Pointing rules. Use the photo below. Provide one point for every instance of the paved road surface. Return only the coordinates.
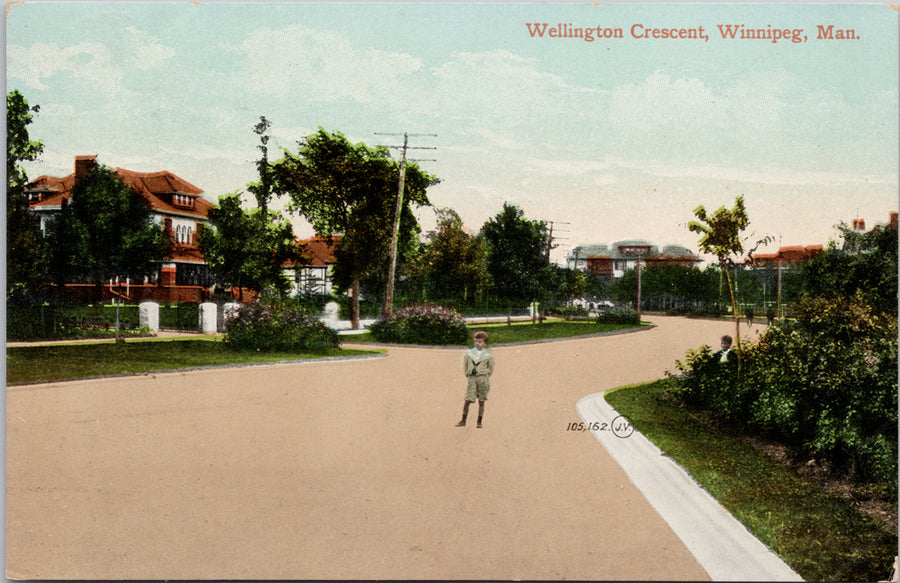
(340, 470)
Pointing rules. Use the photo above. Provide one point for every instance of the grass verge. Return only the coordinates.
(527, 332)
(35, 364)
(820, 536)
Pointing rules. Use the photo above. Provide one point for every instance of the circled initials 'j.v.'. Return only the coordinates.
(622, 427)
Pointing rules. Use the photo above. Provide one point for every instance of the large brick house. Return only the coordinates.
(178, 207)
(613, 260)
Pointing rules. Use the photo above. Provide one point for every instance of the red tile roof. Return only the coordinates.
(320, 251)
(789, 253)
(152, 186)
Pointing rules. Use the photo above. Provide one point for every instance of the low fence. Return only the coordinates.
(46, 320)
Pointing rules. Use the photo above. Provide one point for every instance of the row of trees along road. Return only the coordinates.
(340, 188)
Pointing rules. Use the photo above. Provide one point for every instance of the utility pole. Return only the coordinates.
(550, 245)
(392, 265)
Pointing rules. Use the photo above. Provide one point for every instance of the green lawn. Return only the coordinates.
(819, 535)
(527, 332)
(32, 364)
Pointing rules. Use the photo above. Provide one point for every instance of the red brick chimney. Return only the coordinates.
(893, 221)
(83, 166)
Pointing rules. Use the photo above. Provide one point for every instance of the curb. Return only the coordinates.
(723, 546)
(207, 367)
(499, 344)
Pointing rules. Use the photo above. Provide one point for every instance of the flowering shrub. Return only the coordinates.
(277, 326)
(619, 315)
(826, 385)
(425, 324)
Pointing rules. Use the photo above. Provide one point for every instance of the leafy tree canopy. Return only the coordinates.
(516, 260)
(247, 249)
(24, 243)
(19, 146)
(866, 263)
(453, 263)
(350, 190)
(720, 233)
(106, 230)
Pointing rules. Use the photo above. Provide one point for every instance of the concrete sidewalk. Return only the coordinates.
(723, 546)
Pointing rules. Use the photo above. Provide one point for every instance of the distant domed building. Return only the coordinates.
(613, 260)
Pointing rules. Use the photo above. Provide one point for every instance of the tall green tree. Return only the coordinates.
(350, 190)
(24, 243)
(247, 249)
(453, 264)
(516, 259)
(105, 231)
(865, 263)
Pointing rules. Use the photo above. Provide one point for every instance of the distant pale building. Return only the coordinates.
(613, 260)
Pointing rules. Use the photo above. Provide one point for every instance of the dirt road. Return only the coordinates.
(340, 470)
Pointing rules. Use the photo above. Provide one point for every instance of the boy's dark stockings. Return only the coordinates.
(465, 414)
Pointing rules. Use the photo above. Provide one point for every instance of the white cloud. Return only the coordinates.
(87, 60)
(662, 100)
(499, 87)
(323, 65)
(149, 54)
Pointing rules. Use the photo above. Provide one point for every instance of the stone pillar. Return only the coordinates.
(208, 318)
(149, 316)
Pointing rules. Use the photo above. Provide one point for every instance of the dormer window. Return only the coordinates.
(183, 200)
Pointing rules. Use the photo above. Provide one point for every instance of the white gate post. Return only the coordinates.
(149, 315)
(208, 318)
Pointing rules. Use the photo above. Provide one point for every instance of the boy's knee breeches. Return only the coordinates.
(478, 388)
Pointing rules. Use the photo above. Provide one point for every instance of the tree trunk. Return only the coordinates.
(737, 321)
(354, 304)
(734, 311)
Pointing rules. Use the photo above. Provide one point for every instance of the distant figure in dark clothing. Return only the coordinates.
(724, 355)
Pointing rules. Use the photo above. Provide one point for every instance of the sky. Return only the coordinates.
(610, 139)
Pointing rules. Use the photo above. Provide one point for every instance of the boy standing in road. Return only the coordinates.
(478, 364)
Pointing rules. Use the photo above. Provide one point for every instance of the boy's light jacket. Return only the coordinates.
(475, 366)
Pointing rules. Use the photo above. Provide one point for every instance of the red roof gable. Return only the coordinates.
(155, 187)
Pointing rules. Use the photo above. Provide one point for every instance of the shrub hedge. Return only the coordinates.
(619, 315)
(825, 384)
(423, 324)
(278, 326)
